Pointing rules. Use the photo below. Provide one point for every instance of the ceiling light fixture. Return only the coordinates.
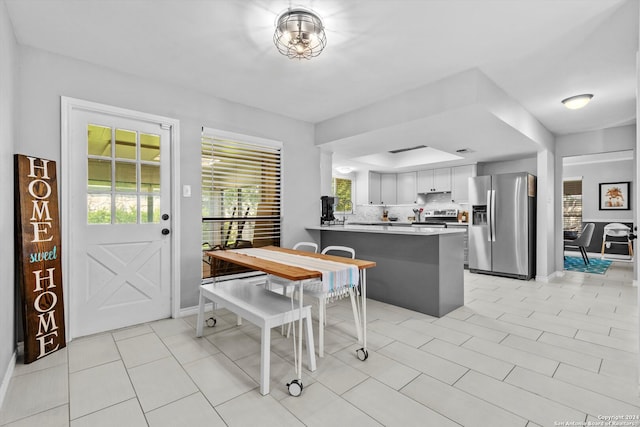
(578, 101)
(299, 34)
(344, 169)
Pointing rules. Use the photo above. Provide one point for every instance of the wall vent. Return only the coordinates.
(402, 150)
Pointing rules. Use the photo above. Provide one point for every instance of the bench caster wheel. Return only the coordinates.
(362, 354)
(211, 322)
(295, 388)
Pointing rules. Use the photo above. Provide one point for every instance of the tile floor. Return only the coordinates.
(517, 354)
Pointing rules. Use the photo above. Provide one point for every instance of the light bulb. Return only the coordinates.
(578, 101)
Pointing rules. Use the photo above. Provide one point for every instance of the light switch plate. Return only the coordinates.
(186, 191)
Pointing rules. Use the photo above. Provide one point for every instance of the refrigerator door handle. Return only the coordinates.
(493, 215)
(489, 215)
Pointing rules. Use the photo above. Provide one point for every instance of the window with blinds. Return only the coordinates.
(241, 183)
(342, 189)
(572, 205)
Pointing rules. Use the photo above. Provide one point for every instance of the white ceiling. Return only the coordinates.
(537, 51)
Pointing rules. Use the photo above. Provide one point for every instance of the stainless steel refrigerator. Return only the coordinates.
(502, 230)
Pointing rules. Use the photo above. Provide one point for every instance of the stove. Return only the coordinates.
(444, 215)
(438, 218)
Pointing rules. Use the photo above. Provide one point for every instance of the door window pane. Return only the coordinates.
(99, 141)
(123, 176)
(99, 174)
(150, 179)
(126, 142)
(126, 209)
(126, 176)
(99, 208)
(149, 209)
(150, 147)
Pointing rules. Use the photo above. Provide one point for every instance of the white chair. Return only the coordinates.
(306, 246)
(284, 283)
(275, 281)
(324, 297)
(615, 229)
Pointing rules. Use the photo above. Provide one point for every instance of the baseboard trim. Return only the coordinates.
(4, 387)
(550, 277)
(190, 311)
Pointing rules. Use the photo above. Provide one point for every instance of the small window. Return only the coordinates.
(343, 190)
(572, 205)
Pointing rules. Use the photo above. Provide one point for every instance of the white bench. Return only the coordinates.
(261, 307)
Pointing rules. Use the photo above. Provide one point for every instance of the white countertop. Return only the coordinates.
(386, 229)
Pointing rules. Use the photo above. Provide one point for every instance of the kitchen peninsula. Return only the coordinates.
(418, 268)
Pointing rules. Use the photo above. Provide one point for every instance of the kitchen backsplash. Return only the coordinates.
(364, 213)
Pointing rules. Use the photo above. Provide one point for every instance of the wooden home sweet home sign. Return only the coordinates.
(38, 250)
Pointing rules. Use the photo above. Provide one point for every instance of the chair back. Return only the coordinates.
(586, 235)
(616, 229)
(306, 246)
(347, 249)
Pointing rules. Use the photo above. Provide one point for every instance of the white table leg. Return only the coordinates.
(200, 320)
(265, 359)
(310, 344)
(321, 321)
(299, 367)
(363, 281)
(356, 313)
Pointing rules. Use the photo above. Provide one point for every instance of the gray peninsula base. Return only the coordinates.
(424, 273)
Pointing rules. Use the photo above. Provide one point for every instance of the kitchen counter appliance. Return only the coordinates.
(502, 231)
(328, 206)
(437, 218)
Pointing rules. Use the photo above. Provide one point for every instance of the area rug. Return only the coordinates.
(596, 265)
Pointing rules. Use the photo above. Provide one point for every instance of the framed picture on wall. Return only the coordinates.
(615, 196)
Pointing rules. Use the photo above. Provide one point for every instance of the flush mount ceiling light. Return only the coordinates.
(344, 169)
(299, 34)
(578, 101)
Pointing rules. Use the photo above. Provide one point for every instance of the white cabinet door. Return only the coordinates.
(460, 182)
(425, 181)
(406, 184)
(442, 179)
(388, 188)
(374, 188)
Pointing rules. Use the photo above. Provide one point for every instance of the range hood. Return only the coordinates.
(433, 192)
(434, 197)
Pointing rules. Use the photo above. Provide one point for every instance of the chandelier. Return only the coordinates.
(299, 34)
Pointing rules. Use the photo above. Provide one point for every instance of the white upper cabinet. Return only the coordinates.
(406, 184)
(442, 179)
(460, 182)
(374, 188)
(434, 180)
(388, 189)
(403, 188)
(382, 188)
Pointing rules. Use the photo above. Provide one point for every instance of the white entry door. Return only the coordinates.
(118, 178)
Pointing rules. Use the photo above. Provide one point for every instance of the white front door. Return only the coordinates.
(119, 214)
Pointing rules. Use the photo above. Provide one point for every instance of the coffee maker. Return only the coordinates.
(328, 203)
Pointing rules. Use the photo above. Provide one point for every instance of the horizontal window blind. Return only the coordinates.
(572, 205)
(241, 195)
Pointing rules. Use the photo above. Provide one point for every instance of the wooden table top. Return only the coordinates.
(282, 270)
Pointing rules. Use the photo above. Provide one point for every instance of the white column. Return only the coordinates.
(326, 172)
(545, 225)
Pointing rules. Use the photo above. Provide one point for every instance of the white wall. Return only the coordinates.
(44, 77)
(592, 175)
(7, 64)
(528, 164)
(600, 141)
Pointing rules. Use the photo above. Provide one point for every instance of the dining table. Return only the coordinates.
(302, 267)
